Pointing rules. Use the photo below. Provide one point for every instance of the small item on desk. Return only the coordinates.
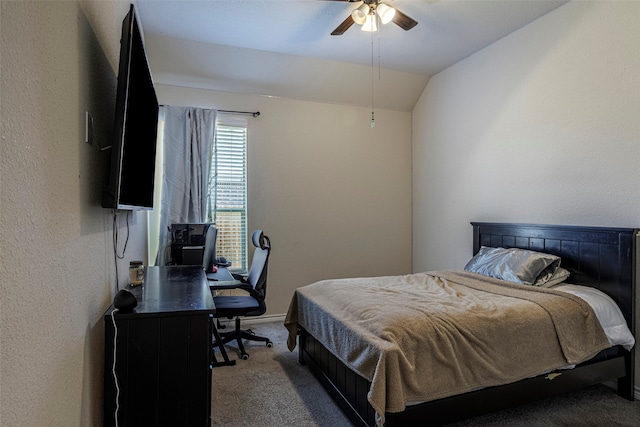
(136, 273)
(222, 262)
(125, 301)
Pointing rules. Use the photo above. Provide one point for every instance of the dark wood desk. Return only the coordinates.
(163, 352)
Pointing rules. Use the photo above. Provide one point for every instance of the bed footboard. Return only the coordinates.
(349, 390)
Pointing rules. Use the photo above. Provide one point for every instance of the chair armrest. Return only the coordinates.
(218, 286)
(239, 284)
(257, 295)
(244, 286)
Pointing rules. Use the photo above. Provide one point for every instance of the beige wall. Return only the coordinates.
(56, 259)
(333, 194)
(540, 127)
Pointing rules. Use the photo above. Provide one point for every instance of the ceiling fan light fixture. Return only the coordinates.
(360, 14)
(385, 12)
(371, 23)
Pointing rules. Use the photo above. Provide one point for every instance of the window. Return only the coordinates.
(227, 198)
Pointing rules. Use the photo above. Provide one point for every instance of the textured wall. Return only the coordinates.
(333, 194)
(56, 260)
(540, 127)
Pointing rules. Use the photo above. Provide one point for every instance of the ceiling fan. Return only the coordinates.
(368, 13)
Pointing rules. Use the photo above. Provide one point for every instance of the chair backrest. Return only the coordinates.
(209, 255)
(258, 272)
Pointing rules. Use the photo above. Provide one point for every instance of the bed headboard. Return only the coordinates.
(600, 257)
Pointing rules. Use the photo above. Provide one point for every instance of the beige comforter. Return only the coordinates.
(431, 335)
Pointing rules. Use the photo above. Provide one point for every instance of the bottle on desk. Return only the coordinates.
(136, 273)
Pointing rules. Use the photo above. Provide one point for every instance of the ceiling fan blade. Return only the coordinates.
(343, 27)
(403, 21)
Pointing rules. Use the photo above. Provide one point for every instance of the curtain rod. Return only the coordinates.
(254, 114)
(251, 113)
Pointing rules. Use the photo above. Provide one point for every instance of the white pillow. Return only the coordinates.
(607, 312)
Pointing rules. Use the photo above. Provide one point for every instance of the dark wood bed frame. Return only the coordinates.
(599, 257)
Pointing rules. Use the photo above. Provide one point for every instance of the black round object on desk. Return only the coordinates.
(125, 301)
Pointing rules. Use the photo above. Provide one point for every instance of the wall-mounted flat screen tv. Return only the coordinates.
(132, 170)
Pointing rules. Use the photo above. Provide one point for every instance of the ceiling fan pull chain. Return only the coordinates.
(379, 44)
(373, 121)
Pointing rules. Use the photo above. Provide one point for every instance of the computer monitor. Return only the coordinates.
(209, 255)
(187, 243)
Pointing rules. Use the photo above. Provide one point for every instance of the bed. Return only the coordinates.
(596, 257)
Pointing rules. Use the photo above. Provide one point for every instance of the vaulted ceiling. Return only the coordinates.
(284, 47)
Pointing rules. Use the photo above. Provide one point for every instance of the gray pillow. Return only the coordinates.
(559, 276)
(515, 265)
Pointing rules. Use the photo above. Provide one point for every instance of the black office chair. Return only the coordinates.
(253, 304)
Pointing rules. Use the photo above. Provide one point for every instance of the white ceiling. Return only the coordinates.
(447, 31)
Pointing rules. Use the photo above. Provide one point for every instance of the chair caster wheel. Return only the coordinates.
(269, 344)
(245, 356)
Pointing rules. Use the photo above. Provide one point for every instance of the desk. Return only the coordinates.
(163, 352)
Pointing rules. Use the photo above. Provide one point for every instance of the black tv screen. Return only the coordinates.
(132, 171)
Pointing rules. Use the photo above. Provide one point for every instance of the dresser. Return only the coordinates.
(163, 355)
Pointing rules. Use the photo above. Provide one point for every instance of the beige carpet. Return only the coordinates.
(270, 388)
(273, 389)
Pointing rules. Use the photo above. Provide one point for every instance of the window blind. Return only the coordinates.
(227, 205)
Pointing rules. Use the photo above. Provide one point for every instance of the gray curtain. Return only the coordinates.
(188, 137)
